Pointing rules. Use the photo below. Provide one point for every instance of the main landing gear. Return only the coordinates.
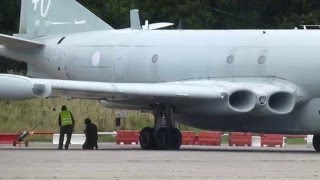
(316, 142)
(164, 135)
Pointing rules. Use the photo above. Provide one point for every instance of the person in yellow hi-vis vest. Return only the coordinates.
(66, 123)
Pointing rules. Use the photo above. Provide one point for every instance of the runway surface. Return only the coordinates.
(43, 161)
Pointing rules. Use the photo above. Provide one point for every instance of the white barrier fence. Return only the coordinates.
(256, 141)
(309, 141)
(79, 138)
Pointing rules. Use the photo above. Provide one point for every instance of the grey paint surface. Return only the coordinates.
(128, 162)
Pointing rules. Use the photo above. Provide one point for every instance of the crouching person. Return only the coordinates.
(91, 132)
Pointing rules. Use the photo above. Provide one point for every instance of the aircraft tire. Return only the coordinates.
(316, 142)
(146, 138)
(176, 139)
(162, 138)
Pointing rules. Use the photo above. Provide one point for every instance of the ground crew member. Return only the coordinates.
(91, 132)
(66, 123)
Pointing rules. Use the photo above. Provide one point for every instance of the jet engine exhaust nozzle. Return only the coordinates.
(282, 102)
(242, 101)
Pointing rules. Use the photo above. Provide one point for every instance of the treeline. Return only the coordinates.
(211, 14)
(186, 14)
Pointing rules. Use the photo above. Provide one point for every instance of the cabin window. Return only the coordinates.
(230, 59)
(155, 58)
(262, 59)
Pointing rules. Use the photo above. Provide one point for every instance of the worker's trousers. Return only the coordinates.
(90, 144)
(65, 130)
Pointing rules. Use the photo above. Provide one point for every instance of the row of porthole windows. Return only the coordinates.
(230, 59)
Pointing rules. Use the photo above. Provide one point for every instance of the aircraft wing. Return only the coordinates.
(100, 90)
(15, 42)
(125, 91)
(240, 97)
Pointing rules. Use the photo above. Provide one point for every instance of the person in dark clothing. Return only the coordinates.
(66, 123)
(91, 132)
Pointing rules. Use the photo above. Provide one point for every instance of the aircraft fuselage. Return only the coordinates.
(140, 56)
(164, 56)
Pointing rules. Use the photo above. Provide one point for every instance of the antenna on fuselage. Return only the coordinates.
(136, 24)
(135, 19)
(180, 26)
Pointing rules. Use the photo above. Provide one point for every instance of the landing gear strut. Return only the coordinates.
(316, 142)
(164, 135)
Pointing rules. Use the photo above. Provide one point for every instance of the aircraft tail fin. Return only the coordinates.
(50, 17)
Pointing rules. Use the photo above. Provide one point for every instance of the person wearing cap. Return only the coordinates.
(66, 123)
(91, 132)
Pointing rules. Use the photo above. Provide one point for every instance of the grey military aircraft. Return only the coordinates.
(228, 80)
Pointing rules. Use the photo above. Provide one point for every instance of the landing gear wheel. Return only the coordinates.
(14, 143)
(316, 142)
(146, 138)
(162, 138)
(176, 139)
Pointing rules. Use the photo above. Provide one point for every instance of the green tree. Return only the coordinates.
(9, 24)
